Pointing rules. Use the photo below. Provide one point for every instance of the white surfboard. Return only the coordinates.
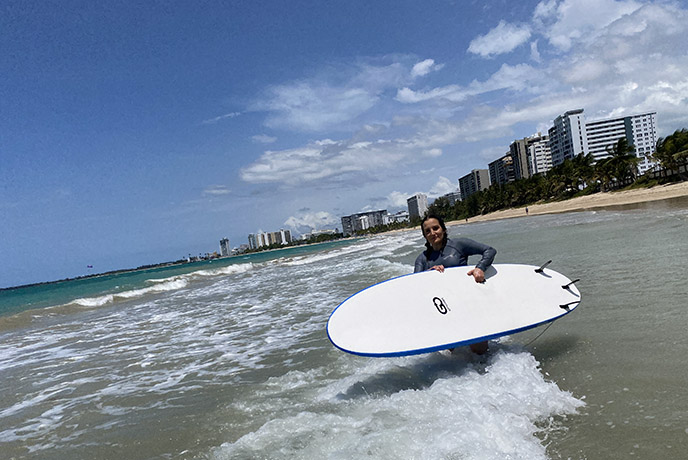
(431, 311)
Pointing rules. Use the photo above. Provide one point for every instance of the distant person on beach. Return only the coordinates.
(526, 210)
(443, 252)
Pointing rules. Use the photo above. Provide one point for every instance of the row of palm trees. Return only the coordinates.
(580, 175)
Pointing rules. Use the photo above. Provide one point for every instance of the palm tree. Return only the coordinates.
(583, 169)
(622, 162)
(672, 151)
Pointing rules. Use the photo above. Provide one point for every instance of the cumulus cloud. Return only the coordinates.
(425, 67)
(636, 63)
(442, 187)
(579, 21)
(305, 222)
(502, 39)
(398, 199)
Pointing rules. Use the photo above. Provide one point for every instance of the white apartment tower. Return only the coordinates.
(539, 153)
(639, 130)
(417, 205)
(568, 137)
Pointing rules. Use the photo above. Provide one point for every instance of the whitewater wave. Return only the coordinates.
(174, 283)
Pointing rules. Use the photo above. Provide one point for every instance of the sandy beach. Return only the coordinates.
(598, 200)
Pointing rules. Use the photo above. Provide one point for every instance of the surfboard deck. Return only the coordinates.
(431, 311)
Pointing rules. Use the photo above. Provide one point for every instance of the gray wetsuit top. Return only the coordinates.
(455, 254)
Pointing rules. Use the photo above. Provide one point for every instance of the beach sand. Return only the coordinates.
(598, 200)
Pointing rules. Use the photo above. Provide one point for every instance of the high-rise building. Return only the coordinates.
(502, 170)
(260, 239)
(285, 235)
(252, 241)
(417, 205)
(453, 197)
(474, 181)
(640, 132)
(539, 153)
(401, 216)
(362, 221)
(225, 249)
(567, 137)
(520, 161)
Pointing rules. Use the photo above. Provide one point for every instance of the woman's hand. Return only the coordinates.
(439, 268)
(478, 274)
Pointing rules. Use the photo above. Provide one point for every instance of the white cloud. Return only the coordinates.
(398, 199)
(263, 139)
(579, 21)
(216, 190)
(432, 152)
(330, 100)
(425, 67)
(311, 106)
(518, 77)
(637, 63)
(534, 52)
(306, 222)
(212, 121)
(502, 39)
(327, 159)
(642, 49)
(442, 187)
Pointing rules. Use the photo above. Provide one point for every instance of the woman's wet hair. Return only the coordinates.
(422, 229)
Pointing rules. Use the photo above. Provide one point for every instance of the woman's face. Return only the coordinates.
(434, 233)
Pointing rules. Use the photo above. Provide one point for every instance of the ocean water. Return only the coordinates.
(231, 360)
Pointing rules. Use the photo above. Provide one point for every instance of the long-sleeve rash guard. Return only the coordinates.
(455, 254)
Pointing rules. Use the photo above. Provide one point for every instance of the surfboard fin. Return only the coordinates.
(566, 286)
(567, 305)
(542, 267)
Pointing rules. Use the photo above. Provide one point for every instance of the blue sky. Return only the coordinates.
(140, 132)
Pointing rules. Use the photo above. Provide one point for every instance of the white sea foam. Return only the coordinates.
(436, 406)
(162, 285)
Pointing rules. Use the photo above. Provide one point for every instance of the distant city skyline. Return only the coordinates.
(133, 134)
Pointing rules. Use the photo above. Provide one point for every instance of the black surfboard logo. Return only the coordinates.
(440, 304)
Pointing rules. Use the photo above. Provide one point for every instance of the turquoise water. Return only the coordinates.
(61, 292)
(233, 361)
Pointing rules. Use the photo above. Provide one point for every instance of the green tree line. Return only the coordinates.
(577, 176)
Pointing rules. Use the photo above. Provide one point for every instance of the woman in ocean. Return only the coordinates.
(442, 252)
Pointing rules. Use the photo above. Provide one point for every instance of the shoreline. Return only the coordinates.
(583, 203)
